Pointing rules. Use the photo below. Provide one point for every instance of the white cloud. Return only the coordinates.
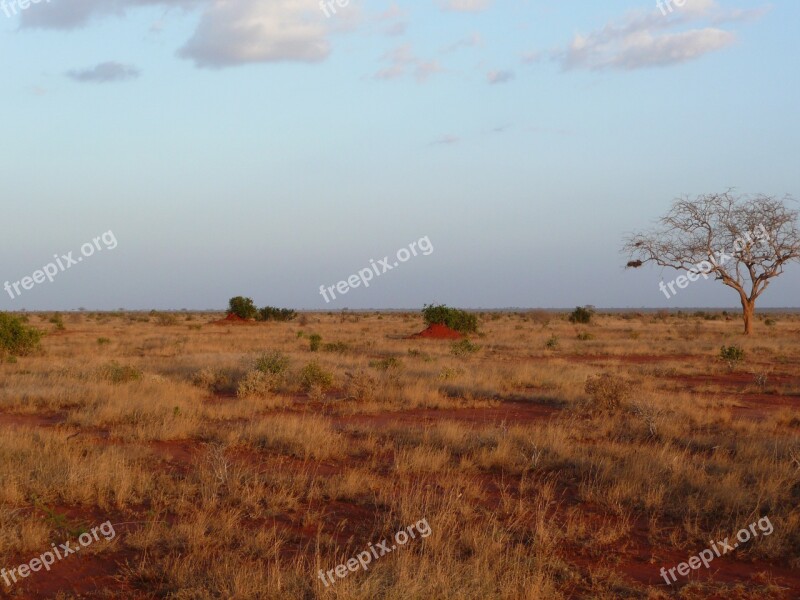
(395, 16)
(465, 5)
(252, 31)
(424, 69)
(229, 32)
(471, 41)
(73, 14)
(653, 39)
(402, 61)
(499, 76)
(105, 73)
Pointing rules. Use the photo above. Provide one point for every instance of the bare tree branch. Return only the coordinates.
(744, 241)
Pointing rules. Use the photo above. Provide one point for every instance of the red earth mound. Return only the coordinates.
(437, 332)
(232, 319)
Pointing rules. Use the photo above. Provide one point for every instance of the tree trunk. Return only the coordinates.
(748, 314)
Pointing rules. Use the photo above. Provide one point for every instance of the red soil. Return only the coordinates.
(233, 319)
(437, 332)
(511, 413)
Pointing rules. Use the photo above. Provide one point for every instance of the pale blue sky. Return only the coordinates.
(260, 148)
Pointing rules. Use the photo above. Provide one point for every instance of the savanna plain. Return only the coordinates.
(550, 459)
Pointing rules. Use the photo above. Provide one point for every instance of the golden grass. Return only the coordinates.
(236, 484)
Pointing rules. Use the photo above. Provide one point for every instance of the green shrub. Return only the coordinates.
(242, 307)
(273, 363)
(314, 376)
(384, 364)
(551, 343)
(270, 313)
(454, 318)
(16, 338)
(58, 321)
(731, 354)
(448, 373)
(276, 363)
(115, 373)
(582, 315)
(463, 348)
(314, 341)
(340, 347)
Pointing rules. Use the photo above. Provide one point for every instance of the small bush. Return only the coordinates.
(463, 348)
(731, 354)
(270, 313)
(314, 376)
(582, 315)
(257, 384)
(165, 319)
(16, 338)
(314, 342)
(551, 343)
(539, 317)
(607, 391)
(103, 341)
(117, 374)
(384, 364)
(211, 379)
(361, 386)
(413, 352)
(58, 321)
(339, 347)
(275, 363)
(460, 320)
(448, 373)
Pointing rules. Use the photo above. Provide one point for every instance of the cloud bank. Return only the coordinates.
(106, 72)
(652, 39)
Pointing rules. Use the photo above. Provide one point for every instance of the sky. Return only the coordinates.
(267, 148)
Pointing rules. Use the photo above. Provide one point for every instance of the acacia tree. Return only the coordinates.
(742, 241)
